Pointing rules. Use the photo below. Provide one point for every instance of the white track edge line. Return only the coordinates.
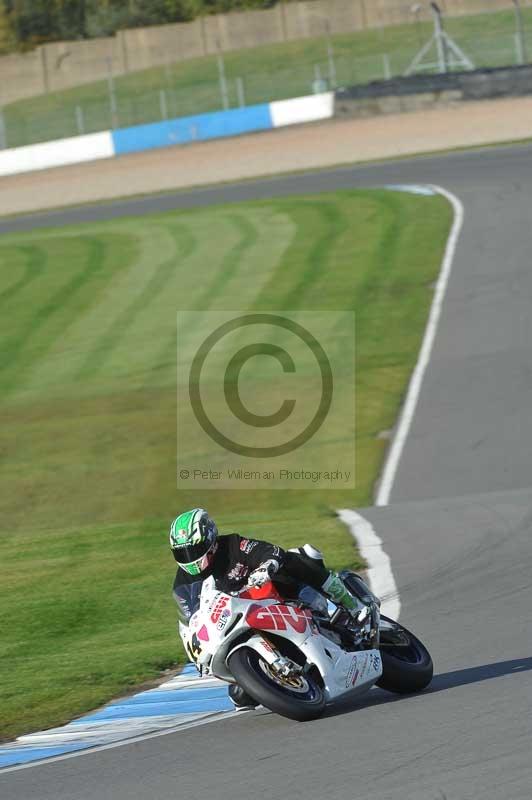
(414, 387)
(380, 574)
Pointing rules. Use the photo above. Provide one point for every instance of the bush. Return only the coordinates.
(31, 22)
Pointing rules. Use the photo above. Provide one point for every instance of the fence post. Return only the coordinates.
(163, 105)
(519, 34)
(223, 81)
(240, 93)
(282, 15)
(387, 67)
(80, 122)
(112, 93)
(125, 55)
(364, 14)
(3, 132)
(203, 35)
(44, 66)
(167, 73)
(519, 55)
(318, 84)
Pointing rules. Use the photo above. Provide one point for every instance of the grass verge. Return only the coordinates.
(88, 401)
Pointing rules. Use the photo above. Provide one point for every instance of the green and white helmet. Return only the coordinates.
(193, 538)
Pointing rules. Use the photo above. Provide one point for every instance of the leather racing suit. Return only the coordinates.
(236, 557)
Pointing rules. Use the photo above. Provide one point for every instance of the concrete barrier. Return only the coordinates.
(302, 109)
(189, 129)
(184, 130)
(57, 153)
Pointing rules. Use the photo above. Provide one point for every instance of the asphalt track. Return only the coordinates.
(457, 530)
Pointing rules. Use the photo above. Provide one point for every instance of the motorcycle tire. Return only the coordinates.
(405, 668)
(301, 703)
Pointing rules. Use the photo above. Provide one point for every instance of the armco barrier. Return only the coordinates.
(165, 134)
(417, 92)
(478, 84)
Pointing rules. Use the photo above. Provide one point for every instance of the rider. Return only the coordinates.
(235, 562)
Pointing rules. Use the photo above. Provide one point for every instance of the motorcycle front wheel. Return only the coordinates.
(299, 698)
(406, 663)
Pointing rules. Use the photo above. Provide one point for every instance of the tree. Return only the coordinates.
(25, 23)
(7, 38)
(70, 19)
(32, 20)
(105, 17)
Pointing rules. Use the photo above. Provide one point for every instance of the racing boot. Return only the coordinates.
(336, 591)
(241, 700)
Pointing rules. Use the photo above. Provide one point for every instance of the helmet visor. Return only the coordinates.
(188, 553)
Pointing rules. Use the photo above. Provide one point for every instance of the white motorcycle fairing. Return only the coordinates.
(225, 623)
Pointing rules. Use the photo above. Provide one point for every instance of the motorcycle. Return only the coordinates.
(294, 657)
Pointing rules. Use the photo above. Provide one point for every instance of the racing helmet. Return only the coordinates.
(193, 537)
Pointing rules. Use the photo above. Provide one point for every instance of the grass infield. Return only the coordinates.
(87, 388)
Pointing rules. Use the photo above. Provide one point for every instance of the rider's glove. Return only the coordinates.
(264, 573)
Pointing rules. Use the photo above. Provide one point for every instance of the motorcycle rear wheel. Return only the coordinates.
(406, 668)
(301, 701)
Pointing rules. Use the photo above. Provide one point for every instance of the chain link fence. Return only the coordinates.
(232, 81)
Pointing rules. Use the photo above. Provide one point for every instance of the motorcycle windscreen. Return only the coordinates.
(187, 597)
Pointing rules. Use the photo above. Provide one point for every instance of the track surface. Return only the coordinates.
(457, 530)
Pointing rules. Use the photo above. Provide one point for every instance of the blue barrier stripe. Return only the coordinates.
(200, 127)
(133, 711)
(170, 696)
(189, 669)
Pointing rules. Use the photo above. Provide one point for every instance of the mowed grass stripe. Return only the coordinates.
(154, 325)
(57, 306)
(108, 323)
(31, 267)
(89, 264)
(252, 265)
(230, 265)
(122, 324)
(11, 347)
(332, 224)
(218, 275)
(88, 464)
(136, 258)
(231, 283)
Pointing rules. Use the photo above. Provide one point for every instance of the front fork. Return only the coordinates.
(281, 665)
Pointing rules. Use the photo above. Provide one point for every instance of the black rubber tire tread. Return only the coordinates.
(241, 665)
(401, 677)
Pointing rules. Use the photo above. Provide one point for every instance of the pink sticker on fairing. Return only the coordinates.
(203, 634)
